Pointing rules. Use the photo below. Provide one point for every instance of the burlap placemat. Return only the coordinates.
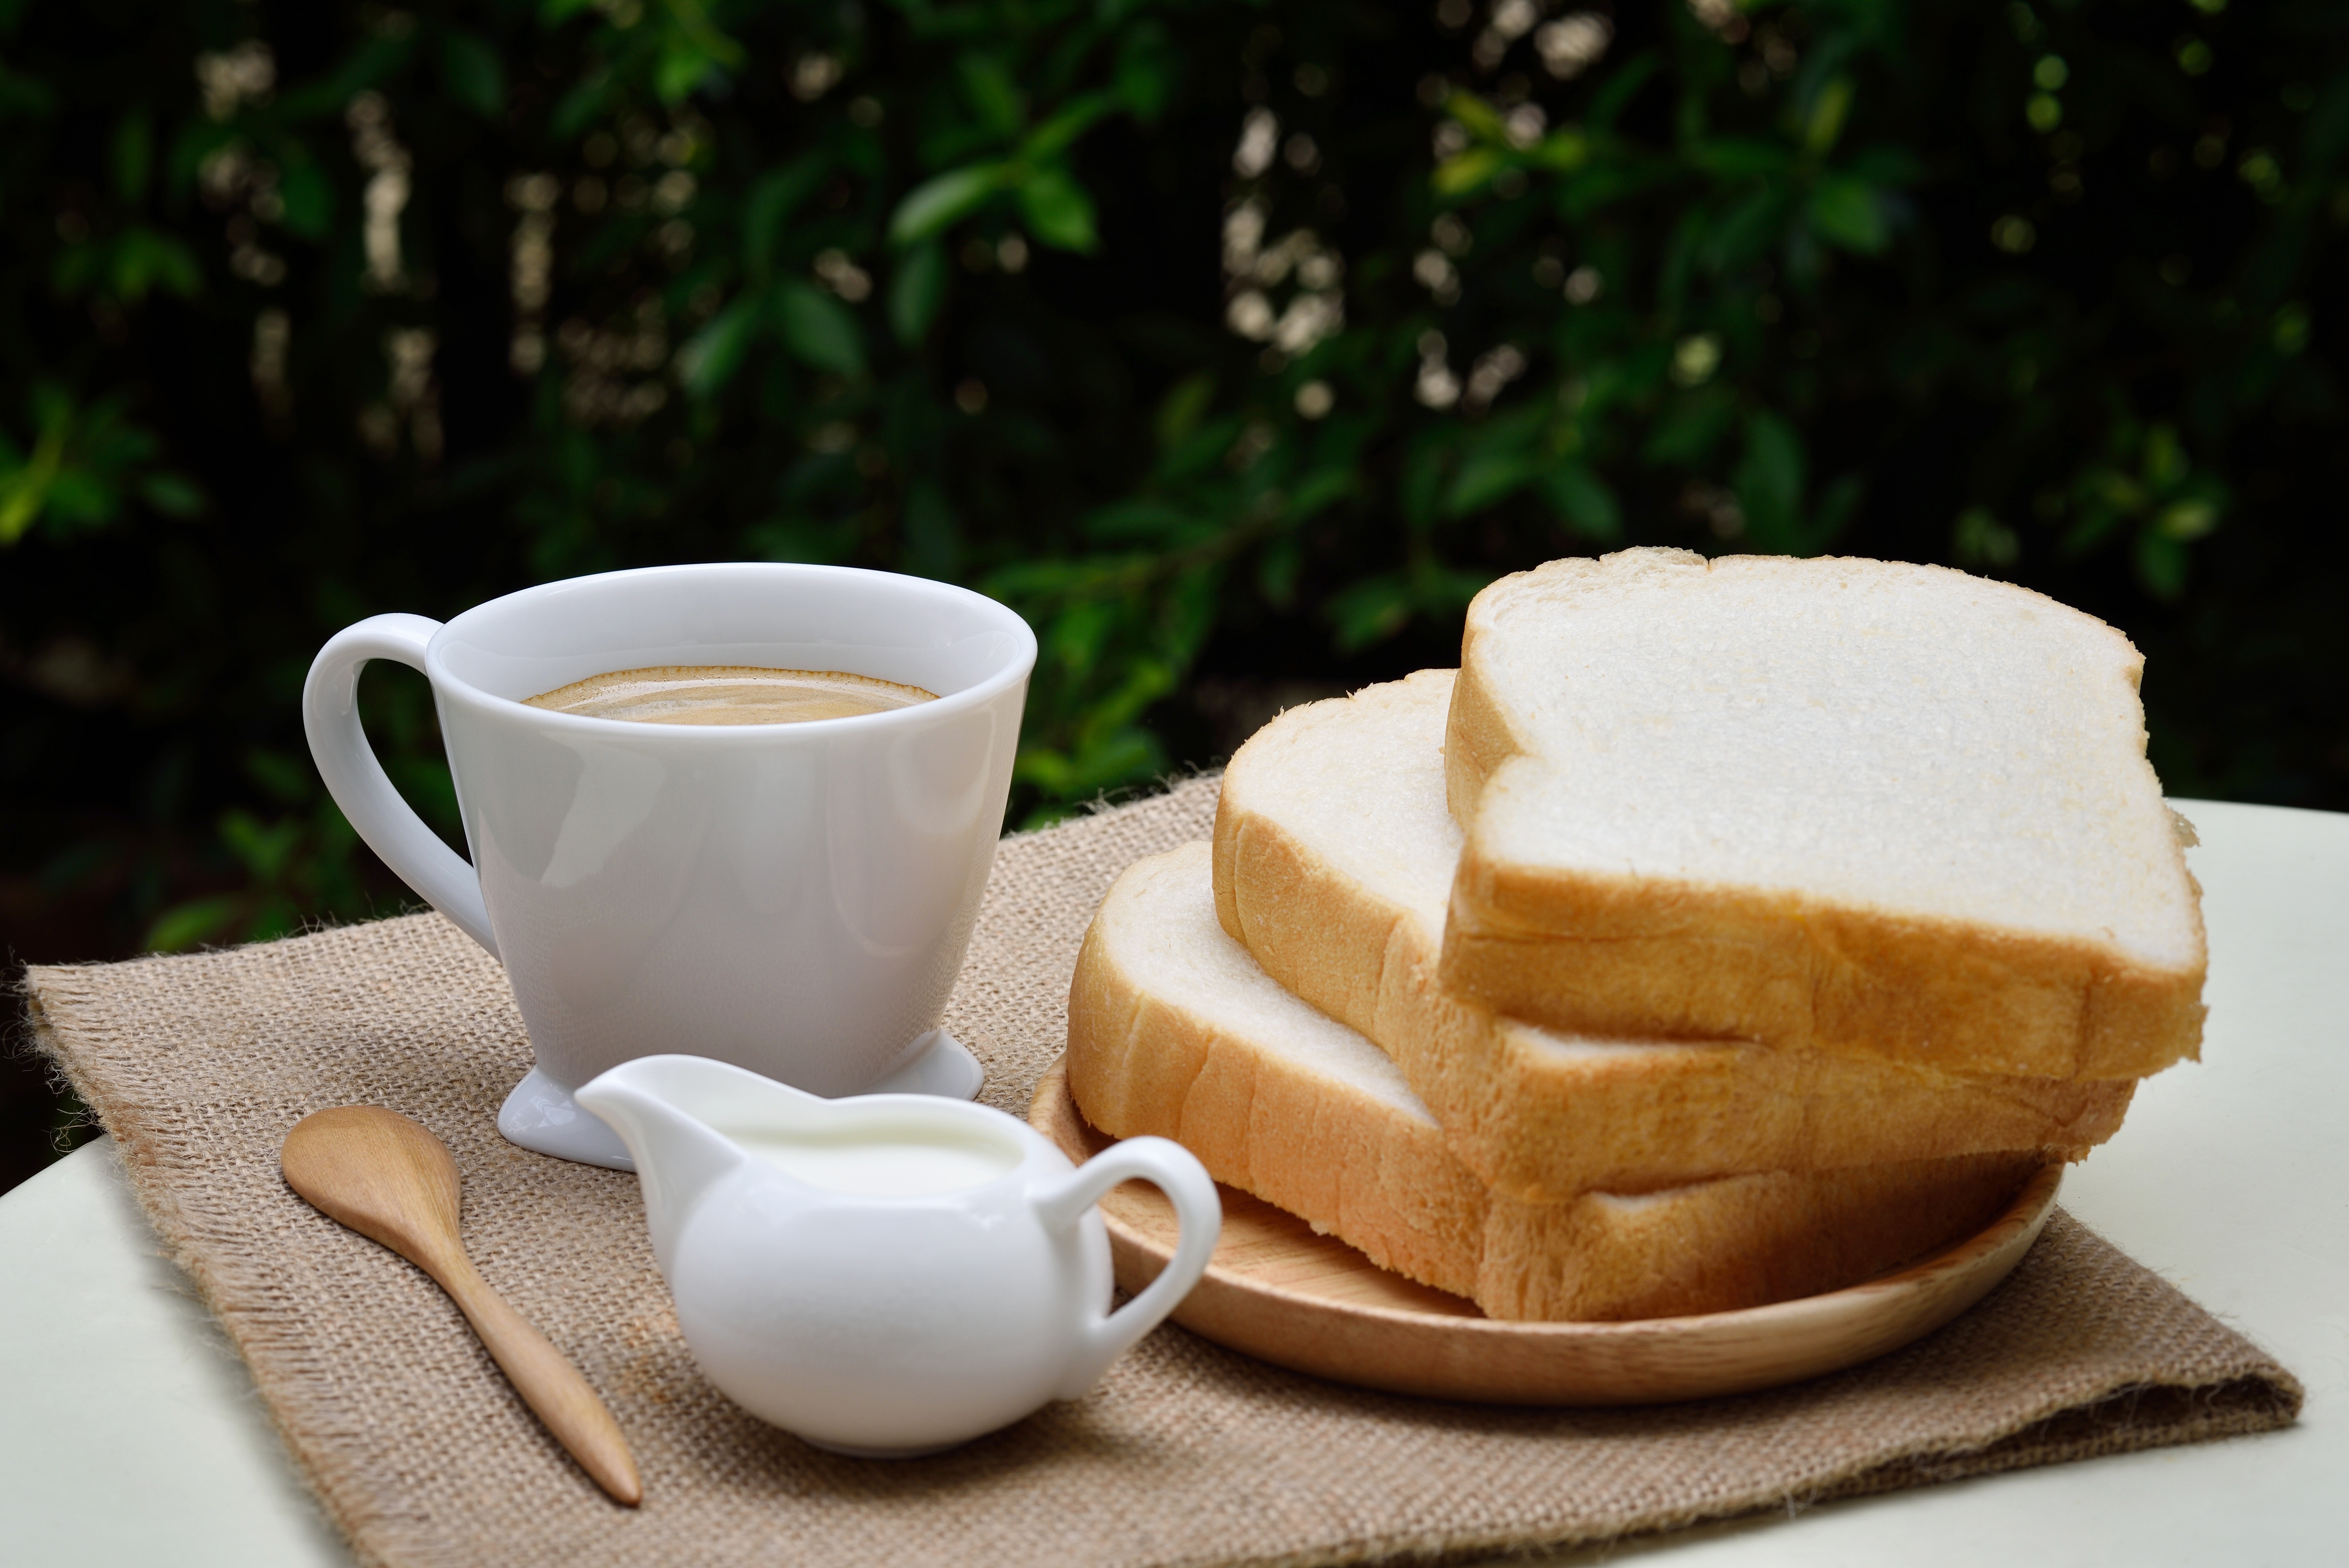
(1185, 1454)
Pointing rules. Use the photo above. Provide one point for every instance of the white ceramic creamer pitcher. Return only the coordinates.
(887, 1275)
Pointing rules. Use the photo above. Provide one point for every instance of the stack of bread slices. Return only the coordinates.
(1719, 934)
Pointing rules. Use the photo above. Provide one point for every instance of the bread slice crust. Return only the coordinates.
(1536, 1115)
(1173, 1030)
(1602, 939)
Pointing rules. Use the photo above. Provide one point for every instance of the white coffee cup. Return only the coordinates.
(795, 899)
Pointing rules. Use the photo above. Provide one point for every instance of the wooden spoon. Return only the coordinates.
(388, 1179)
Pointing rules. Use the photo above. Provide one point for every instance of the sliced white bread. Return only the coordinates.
(1847, 804)
(1334, 859)
(1175, 1030)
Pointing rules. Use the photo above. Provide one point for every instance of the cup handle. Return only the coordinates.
(330, 715)
(1174, 1170)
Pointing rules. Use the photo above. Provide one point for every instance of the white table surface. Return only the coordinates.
(129, 1432)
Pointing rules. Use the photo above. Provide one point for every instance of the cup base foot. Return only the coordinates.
(946, 1070)
(540, 1116)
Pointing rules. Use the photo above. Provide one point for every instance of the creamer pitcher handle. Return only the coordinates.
(330, 715)
(1174, 1170)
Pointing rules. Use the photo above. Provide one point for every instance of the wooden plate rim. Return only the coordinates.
(1988, 1255)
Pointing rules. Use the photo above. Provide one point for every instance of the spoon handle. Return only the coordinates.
(547, 1383)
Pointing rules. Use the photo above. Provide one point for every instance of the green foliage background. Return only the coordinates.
(1236, 344)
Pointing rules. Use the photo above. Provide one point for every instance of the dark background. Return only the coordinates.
(313, 311)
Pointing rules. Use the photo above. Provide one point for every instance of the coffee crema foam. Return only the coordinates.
(727, 694)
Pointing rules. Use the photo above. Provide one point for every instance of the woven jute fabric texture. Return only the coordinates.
(1185, 1454)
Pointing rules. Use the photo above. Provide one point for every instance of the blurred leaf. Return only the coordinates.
(1740, 156)
(380, 55)
(819, 330)
(309, 200)
(24, 96)
(800, 539)
(1611, 184)
(172, 494)
(24, 487)
(1749, 229)
(285, 779)
(581, 104)
(2187, 520)
(470, 72)
(134, 158)
(941, 200)
(1618, 89)
(85, 462)
(1885, 165)
(1318, 492)
(1467, 172)
(1144, 520)
(934, 543)
(1422, 483)
(1147, 62)
(1978, 539)
(709, 359)
(1692, 426)
(1058, 211)
(1123, 756)
(915, 293)
(1279, 569)
(771, 200)
(1562, 150)
(1058, 133)
(277, 916)
(1769, 481)
(1482, 120)
(1828, 110)
(1459, 176)
(1369, 611)
(262, 848)
(1583, 500)
(1846, 212)
(1771, 487)
(1194, 453)
(76, 495)
(682, 68)
(184, 925)
(1179, 411)
(1488, 477)
(2160, 563)
(988, 89)
(145, 259)
(1834, 513)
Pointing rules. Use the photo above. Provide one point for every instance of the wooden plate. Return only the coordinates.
(1280, 1292)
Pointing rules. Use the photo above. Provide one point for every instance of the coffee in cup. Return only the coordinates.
(727, 694)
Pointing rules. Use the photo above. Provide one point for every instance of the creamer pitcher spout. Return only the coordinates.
(651, 1103)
